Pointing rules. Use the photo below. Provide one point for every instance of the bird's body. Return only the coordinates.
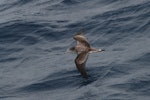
(82, 49)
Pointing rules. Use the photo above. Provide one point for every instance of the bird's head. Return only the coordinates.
(100, 50)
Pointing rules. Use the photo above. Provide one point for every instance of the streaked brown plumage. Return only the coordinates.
(82, 49)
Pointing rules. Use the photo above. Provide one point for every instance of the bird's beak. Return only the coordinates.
(100, 50)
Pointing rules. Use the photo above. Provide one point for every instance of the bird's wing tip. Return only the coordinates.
(80, 32)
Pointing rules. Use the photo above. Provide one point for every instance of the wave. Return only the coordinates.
(35, 35)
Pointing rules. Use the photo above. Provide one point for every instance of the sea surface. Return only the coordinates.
(35, 34)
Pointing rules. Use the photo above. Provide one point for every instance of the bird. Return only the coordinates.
(82, 49)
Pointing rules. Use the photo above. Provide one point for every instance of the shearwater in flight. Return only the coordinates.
(82, 49)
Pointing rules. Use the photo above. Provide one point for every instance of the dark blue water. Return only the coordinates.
(34, 35)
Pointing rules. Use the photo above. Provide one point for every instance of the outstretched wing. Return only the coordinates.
(80, 62)
(81, 40)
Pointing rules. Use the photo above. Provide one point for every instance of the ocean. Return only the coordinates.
(35, 34)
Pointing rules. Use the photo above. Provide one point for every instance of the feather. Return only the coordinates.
(80, 62)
